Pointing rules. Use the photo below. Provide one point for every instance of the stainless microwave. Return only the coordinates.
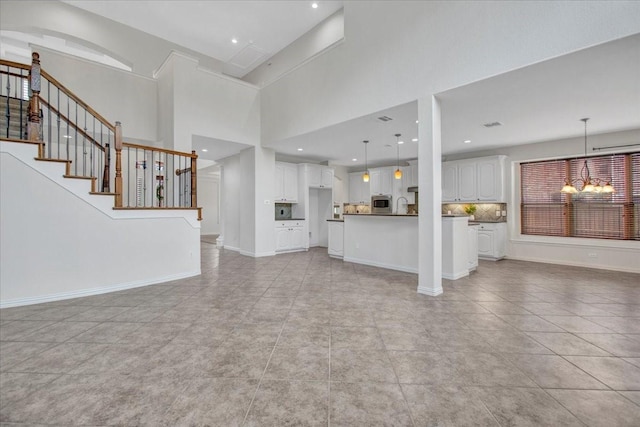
(381, 205)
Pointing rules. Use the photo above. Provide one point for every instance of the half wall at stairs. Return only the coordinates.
(55, 244)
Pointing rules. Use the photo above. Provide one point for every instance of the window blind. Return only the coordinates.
(548, 212)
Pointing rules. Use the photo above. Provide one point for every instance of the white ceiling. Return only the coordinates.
(538, 103)
(262, 28)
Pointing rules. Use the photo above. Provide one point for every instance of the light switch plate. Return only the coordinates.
(497, 213)
(504, 213)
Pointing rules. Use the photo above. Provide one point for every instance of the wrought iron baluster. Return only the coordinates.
(8, 110)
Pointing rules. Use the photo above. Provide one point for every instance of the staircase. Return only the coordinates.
(82, 211)
(13, 121)
(69, 131)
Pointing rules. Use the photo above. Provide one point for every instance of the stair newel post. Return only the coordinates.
(194, 189)
(33, 127)
(118, 180)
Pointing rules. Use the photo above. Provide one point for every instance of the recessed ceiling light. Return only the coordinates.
(417, 121)
(354, 160)
(467, 141)
(314, 5)
(300, 149)
(400, 142)
(204, 150)
(67, 137)
(414, 140)
(234, 40)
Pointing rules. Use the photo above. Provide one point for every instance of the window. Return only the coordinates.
(546, 211)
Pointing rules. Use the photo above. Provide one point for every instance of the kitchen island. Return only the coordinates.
(391, 241)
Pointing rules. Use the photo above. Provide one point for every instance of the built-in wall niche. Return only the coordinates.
(491, 212)
(283, 211)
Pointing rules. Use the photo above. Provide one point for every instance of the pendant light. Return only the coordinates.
(398, 173)
(365, 176)
(586, 180)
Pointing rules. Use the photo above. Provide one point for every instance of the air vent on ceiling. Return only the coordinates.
(492, 124)
(385, 118)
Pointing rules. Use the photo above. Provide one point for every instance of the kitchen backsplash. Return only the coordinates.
(356, 209)
(283, 210)
(484, 211)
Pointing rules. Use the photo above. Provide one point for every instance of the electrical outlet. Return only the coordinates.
(592, 255)
(266, 202)
(504, 213)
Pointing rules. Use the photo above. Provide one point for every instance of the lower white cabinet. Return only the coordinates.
(289, 235)
(472, 248)
(492, 240)
(336, 239)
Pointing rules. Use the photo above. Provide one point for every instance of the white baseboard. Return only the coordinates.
(455, 276)
(381, 265)
(94, 291)
(429, 291)
(231, 248)
(574, 264)
(257, 254)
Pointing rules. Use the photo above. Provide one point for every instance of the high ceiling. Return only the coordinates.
(538, 103)
(261, 28)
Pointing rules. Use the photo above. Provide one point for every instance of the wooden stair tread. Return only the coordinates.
(79, 177)
(100, 193)
(44, 159)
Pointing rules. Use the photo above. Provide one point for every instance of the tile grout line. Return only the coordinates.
(255, 393)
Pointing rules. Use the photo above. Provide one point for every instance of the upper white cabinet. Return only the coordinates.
(359, 192)
(319, 176)
(286, 183)
(412, 174)
(474, 180)
(381, 181)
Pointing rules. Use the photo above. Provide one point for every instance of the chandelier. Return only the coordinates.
(587, 183)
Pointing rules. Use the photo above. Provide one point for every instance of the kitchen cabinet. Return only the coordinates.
(381, 181)
(472, 248)
(474, 180)
(359, 192)
(319, 176)
(286, 183)
(336, 239)
(289, 235)
(412, 174)
(401, 185)
(492, 240)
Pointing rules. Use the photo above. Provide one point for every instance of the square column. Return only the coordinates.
(430, 186)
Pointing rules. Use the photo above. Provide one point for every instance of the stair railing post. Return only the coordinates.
(194, 189)
(33, 127)
(118, 180)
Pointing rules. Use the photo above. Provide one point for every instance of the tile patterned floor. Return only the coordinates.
(302, 339)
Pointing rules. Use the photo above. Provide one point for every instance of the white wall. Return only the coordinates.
(143, 52)
(211, 105)
(395, 52)
(56, 244)
(610, 254)
(209, 201)
(115, 94)
(247, 202)
(314, 42)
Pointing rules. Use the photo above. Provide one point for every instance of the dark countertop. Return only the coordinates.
(411, 215)
(291, 219)
(336, 220)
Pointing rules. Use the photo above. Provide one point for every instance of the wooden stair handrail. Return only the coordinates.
(73, 125)
(80, 102)
(193, 155)
(15, 64)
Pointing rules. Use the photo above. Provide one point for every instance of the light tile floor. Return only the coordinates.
(302, 339)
